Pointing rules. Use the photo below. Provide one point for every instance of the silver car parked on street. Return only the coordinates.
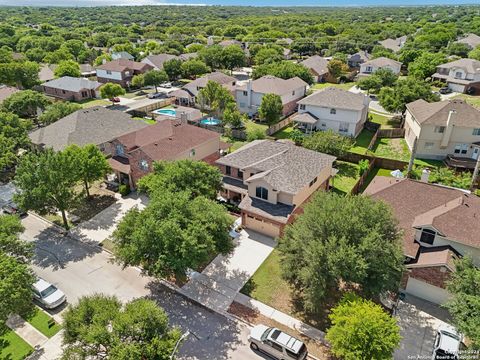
(276, 343)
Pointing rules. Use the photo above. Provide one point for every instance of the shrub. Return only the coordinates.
(363, 166)
(124, 190)
(255, 134)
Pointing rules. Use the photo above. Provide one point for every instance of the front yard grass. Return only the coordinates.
(362, 141)
(346, 178)
(94, 102)
(392, 149)
(13, 347)
(321, 86)
(40, 319)
(385, 122)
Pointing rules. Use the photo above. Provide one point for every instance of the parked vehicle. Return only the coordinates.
(445, 90)
(47, 294)
(167, 85)
(448, 343)
(115, 100)
(11, 208)
(156, 95)
(471, 91)
(276, 343)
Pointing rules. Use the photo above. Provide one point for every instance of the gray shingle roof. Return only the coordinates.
(278, 212)
(273, 85)
(472, 66)
(95, 125)
(286, 167)
(72, 84)
(317, 64)
(471, 40)
(436, 113)
(382, 61)
(336, 98)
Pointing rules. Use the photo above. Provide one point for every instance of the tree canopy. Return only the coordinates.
(56, 111)
(13, 137)
(284, 70)
(68, 68)
(328, 142)
(26, 103)
(110, 90)
(270, 109)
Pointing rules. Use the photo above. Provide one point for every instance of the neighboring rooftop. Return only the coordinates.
(120, 65)
(471, 66)
(122, 55)
(335, 98)
(74, 84)
(471, 40)
(217, 76)
(359, 56)
(382, 61)
(436, 113)
(159, 59)
(394, 44)
(96, 125)
(47, 72)
(317, 64)
(286, 167)
(269, 84)
(6, 91)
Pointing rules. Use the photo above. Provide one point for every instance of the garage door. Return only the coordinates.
(263, 227)
(457, 87)
(426, 291)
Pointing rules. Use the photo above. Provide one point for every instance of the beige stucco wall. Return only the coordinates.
(412, 129)
(202, 150)
(252, 186)
(303, 194)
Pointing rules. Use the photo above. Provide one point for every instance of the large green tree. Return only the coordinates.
(233, 57)
(284, 70)
(333, 244)
(192, 68)
(100, 327)
(110, 91)
(328, 142)
(362, 330)
(172, 234)
(10, 242)
(271, 108)
(173, 68)
(68, 68)
(426, 64)
(56, 111)
(13, 136)
(26, 103)
(215, 98)
(155, 78)
(23, 75)
(379, 79)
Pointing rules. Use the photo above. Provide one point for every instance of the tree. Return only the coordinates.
(212, 56)
(57, 56)
(458, 49)
(173, 68)
(10, 242)
(425, 65)
(333, 245)
(271, 108)
(74, 47)
(138, 81)
(68, 68)
(46, 182)
(13, 136)
(23, 75)
(394, 99)
(91, 164)
(233, 57)
(475, 53)
(215, 97)
(268, 55)
(155, 78)
(56, 111)
(100, 327)
(172, 234)
(464, 306)
(25, 103)
(192, 68)
(362, 330)
(196, 177)
(337, 67)
(110, 90)
(328, 142)
(380, 78)
(283, 70)
(101, 59)
(232, 116)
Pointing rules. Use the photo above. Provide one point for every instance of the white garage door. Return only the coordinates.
(457, 87)
(426, 291)
(263, 227)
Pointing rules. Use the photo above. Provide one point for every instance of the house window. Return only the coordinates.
(427, 236)
(343, 127)
(293, 92)
(240, 174)
(192, 153)
(458, 74)
(143, 164)
(119, 150)
(461, 149)
(199, 88)
(429, 145)
(261, 193)
(368, 69)
(302, 106)
(333, 111)
(228, 170)
(476, 132)
(242, 105)
(109, 72)
(245, 93)
(64, 92)
(313, 181)
(439, 129)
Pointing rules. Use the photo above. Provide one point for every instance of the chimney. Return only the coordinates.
(448, 130)
(183, 118)
(249, 93)
(425, 175)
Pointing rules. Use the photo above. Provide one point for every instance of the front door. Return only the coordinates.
(475, 153)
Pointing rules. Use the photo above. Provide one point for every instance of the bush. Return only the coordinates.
(363, 166)
(255, 134)
(124, 190)
(328, 142)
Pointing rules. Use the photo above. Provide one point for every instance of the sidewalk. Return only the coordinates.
(26, 331)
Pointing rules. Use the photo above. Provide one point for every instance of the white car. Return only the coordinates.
(276, 343)
(448, 343)
(47, 294)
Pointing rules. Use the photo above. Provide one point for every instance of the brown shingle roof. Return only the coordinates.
(437, 256)
(6, 91)
(273, 85)
(217, 76)
(436, 113)
(317, 64)
(382, 61)
(471, 66)
(336, 98)
(471, 40)
(124, 64)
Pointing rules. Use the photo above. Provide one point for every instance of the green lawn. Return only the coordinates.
(472, 100)
(346, 177)
(13, 347)
(284, 133)
(236, 144)
(148, 121)
(429, 163)
(321, 86)
(392, 149)
(362, 141)
(94, 102)
(40, 319)
(251, 126)
(384, 121)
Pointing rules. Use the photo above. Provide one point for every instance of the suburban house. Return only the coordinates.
(471, 40)
(447, 130)
(187, 94)
(157, 60)
(122, 55)
(6, 91)
(72, 88)
(461, 75)
(318, 67)
(47, 72)
(249, 96)
(370, 66)
(439, 225)
(394, 44)
(133, 153)
(87, 70)
(357, 59)
(335, 109)
(271, 180)
(121, 71)
(225, 43)
(96, 125)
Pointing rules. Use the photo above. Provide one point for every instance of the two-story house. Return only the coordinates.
(335, 109)
(461, 75)
(439, 224)
(271, 180)
(357, 59)
(471, 40)
(249, 96)
(370, 66)
(133, 154)
(158, 60)
(120, 71)
(447, 130)
(394, 44)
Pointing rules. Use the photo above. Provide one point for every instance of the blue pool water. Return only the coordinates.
(210, 121)
(168, 112)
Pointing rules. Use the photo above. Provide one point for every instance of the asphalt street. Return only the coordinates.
(79, 269)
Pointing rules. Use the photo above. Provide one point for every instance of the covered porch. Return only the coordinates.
(233, 190)
(305, 122)
(122, 171)
(182, 97)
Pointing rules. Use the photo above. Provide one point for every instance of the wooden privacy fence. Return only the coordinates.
(280, 125)
(386, 133)
(359, 184)
(146, 110)
(389, 164)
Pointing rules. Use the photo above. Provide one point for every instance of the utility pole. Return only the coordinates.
(412, 157)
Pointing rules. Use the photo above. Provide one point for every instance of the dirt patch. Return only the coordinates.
(100, 199)
(396, 145)
(316, 348)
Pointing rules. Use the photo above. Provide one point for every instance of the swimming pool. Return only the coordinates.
(210, 121)
(168, 112)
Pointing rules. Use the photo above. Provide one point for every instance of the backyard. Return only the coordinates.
(470, 99)
(385, 122)
(362, 141)
(392, 149)
(346, 178)
(321, 86)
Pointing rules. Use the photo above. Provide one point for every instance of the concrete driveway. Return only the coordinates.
(418, 321)
(222, 279)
